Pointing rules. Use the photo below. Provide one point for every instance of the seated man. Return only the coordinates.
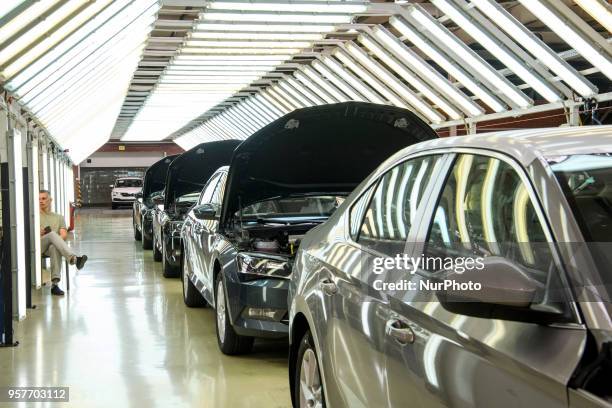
(53, 234)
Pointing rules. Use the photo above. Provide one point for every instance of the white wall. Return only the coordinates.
(125, 159)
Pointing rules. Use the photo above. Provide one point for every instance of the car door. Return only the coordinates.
(380, 221)
(202, 234)
(209, 236)
(485, 209)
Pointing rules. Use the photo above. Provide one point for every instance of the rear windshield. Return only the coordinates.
(298, 206)
(128, 183)
(587, 183)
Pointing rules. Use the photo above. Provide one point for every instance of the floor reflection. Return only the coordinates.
(122, 336)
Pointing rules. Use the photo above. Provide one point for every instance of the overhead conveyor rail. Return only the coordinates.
(197, 71)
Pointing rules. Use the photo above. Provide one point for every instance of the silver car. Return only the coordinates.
(374, 323)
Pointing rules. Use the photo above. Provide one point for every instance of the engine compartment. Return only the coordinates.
(271, 239)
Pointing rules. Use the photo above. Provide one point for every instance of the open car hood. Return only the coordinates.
(322, 149)
(191, 170)
(155, 176)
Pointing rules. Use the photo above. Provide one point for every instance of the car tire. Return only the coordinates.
(191, 296)
(157, 255)
(308, 386)
(137, 234)
(113, 206)
(168, 270)
(229, 341)
(146, 242)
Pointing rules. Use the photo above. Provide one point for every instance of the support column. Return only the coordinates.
(6, 277)
(17, 230)
(34, 184)
(43, 163)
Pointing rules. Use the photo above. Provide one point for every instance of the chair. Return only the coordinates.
(66, 266)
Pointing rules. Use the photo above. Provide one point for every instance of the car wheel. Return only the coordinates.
(146, 242)
(191, 296)
(157, 255)
(113, 206)
(308, 387)
(229, 342)
(137, 234)
(168, 270)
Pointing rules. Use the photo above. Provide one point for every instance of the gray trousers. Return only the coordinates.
(55, 248)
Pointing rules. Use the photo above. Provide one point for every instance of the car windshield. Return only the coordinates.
(128, 183)
(188, 198)
(318, 206)
(586, 181)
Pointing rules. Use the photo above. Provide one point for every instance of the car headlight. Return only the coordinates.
(256, 266)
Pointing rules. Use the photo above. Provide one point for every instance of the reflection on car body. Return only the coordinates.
(536, 207)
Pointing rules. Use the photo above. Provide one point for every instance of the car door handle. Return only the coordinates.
(399, 331)
(328, 286)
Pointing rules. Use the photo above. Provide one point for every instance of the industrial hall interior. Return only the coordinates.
(306, 203)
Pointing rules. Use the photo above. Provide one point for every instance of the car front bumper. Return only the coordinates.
(259, 307)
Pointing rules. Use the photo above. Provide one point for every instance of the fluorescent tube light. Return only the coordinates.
(228, 35)
(600, 10)
(446, 64)
(319, 80)
(307, 82)
(247, 16)
(353, 81)
(393, 82)
(264, 27)
(248, 44)
(493, 46)
(337, 81)
(562, 28)
(291, 6)
(536, 47)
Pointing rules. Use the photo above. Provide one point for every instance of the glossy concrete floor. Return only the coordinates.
(122, 337)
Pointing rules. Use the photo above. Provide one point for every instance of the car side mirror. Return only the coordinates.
(111, 185)
(206, 212)
(500, 290)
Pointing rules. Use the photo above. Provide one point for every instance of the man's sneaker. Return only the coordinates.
(55, 290)
(80, 261)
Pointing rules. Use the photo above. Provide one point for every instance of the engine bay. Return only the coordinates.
(277, 239)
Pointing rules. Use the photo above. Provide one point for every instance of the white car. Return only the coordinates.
(124, 191)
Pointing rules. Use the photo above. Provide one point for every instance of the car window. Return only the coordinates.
(485, 210)
(393, 206)
(209, 189)
(128, 183)
(358, 210)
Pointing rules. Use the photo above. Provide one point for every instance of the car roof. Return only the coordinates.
(525, 145)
